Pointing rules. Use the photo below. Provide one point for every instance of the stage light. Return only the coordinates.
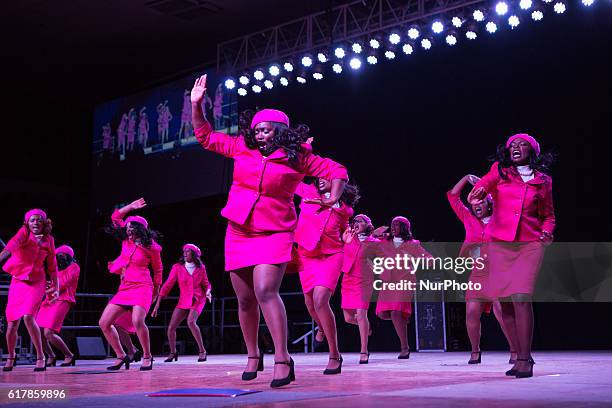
(274, 70)
(230, 83)
(451, 39)
(394, 38)
(457, 22)
(407, 48)
(337, 68)
(426, 43)
(284, 81)
(413, 33)
(389, 54)
(559, 7)
(471, 34)
(242, 91)
(478, 15)
(355, 63)
(525, 4)
(256, 88)
(537, 15)
(372, 59)
(547, 1)
(501, 8)
(491, 27)
(588, 2)
(322, 57)
(317, 75)
(306, 61)
(268, 84)
(244, 80)
(357, 48)
(258, 74)
(374, 43)
(513, 21)
(339, 52)
(437, 27)
(300, 79)
(288, 66)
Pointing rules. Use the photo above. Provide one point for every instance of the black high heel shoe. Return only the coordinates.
(404, 356)
(332, 371)
(290, 377)
(364, 361)
(39, 369)
(172, 357)
(72, 362)
(10, 368)
(316, 343)
(202, 359)
(477, 360)
(125, 360)
(53, 362)
(149, 367)
(525, 374)
(137, 356)
(512, 360)
(251, 375)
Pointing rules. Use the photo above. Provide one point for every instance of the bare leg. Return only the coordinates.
(364, 330)
(509, 332)
(126, 341)
(35, 337)
(47, 347)
(192, 322)
(473, 311)
(523, 315)
(327, 321)
(178, 315)
(11, 341)
(109, 315)
(248, 312)
(57, 342)
(142, 331)
(400, 323)
(266, 282)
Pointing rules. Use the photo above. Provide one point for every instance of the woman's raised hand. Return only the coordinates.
(472, 179)
(199, 90)
(477, 195)
(138, 204)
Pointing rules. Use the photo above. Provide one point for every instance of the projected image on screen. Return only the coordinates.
(145, 144)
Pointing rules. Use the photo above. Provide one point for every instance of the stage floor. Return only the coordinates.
(562, 379)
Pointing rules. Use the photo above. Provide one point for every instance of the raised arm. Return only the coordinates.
(454, 196)
(318, 166)
(486, 185)
(119, 214)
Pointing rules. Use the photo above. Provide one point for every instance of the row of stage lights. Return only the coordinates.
(415, 35)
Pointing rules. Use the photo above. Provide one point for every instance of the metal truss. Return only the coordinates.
(349, 21)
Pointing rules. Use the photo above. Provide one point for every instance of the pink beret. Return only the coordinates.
(138, 219)
(194, 248)
(64, 249)
(35, 211)
(365, 217)
(529, 139)
(403, 220)
(270, 115)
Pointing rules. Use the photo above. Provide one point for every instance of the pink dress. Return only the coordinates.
(133, 264)
(523, 210)
(31, 263)
(357, 280)
(51, 315)
(260, 208)
(192, 288)
(392, 300)
(319, 238)
(475, 233)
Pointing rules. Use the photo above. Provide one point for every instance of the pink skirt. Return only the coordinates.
(124, 321)
(356, 293)
(24, 298)
(198, 306)
(134, 294)
(323, 270)
(480, 276)
(244, 248)
(512, 268)
(52, 315)
(383, 309)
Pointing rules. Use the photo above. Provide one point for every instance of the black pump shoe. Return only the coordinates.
(332, 371)
(10, 368)
(39, 369)
(476, 361)
(365, 361)
(287, 380)
(149, 367)
(251, 375)
(525, 374)
(125, 360)
(72, 362)
(172, 357)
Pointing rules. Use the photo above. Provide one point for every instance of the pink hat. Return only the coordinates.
(35, 211)
(138, 219)
(270, 115)
(194, 248)
(529, 139)
(365, 217)
(64, 249)
(403, 220)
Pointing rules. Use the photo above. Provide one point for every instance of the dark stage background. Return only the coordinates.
(407, 130)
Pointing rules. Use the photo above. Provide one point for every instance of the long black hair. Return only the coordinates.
(289, 139)
(147, 236)
(405, 232)
(197, 259)
(541, 162)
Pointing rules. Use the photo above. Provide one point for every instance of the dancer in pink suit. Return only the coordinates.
(107, 137)
(475, 221)
(357, 282)
(143, 127)
(319, 239)
(195, 289)
(524, 215)
(139, 255)
(270, 161)
(30, 258)
(51, 314)
(186, 129)
(131, 129)
(125, 329)
(121, 134)
(393, 305)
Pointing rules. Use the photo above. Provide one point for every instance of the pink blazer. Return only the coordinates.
(261, 195)
(68, 281)
(354, 254)
(30, 259)
(320, 226)
(193, 288)
(135, 260)
(474, 228)
(522, 210)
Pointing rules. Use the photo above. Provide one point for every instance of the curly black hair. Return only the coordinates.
(289, 139)
(46, 229)
(146, 235)
(541, 162)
